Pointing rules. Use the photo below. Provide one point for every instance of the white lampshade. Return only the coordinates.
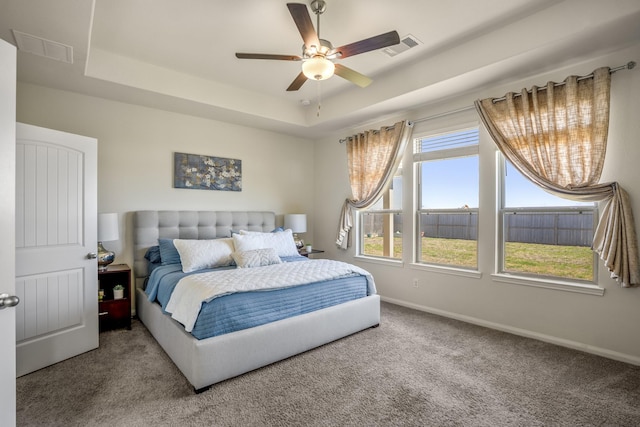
(318, 68)
(296, 222)
(108, 227)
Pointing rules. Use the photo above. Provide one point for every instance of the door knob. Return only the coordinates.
(92, 255)
(8, 301)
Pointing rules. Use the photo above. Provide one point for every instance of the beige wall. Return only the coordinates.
(606, 325)
(135, 158)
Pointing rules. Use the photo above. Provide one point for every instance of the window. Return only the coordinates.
(380, 226)
(542, 234)
(447, 177)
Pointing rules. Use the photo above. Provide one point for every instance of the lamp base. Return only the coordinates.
(298, 241)
(105, 257)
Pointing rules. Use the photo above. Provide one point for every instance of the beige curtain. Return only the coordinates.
(373, 158)
(556, 136)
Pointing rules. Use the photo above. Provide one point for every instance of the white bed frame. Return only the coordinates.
(208, 361)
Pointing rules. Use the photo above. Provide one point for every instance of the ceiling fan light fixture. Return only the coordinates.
(318, 68)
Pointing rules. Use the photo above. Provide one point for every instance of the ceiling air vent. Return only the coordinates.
(43, 47)
(407, 42)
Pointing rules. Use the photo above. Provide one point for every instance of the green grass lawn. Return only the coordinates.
(574, 262)
(562, 261)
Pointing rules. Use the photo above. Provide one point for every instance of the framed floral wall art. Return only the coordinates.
(198, 172)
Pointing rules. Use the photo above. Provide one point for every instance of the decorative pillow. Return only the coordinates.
(168, 252)
(256, 258)
(275, 230)
(199, 254)
(282, 242)
(153, 255)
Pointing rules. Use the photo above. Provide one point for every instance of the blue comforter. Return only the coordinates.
(248, 309)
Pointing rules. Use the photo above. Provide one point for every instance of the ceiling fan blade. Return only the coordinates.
(352, 75)
(297, 83)
(300, 15)
(268, 56)
(372, 43)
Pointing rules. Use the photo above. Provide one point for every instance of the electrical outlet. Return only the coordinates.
(415, 283)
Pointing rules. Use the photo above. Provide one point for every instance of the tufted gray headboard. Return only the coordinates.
(149, 226)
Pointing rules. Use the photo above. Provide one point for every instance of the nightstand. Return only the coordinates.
(114, 313)
(303, 252)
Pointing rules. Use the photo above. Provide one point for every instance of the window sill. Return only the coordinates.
(383, 261)
(448, 270)
(559, 285)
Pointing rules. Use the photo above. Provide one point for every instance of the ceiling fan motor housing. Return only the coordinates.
(325, 50)
(318, 6)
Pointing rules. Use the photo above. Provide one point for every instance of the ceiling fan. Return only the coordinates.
(318, 55)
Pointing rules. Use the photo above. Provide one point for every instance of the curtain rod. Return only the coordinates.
(628, 66)
(409, 123)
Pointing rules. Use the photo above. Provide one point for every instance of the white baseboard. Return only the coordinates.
(634, 360)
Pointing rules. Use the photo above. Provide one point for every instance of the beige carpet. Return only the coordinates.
(416, 369)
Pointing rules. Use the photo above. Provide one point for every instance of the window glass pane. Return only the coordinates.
(448, 200)
(450, 183)
(464, 138)
(520, 192)
(553, 238)
(396, 198)
(449, 238)
(396, 195)
(381, 234)
(549, 243)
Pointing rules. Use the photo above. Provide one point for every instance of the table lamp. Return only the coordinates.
(107, 231)
(298, 224)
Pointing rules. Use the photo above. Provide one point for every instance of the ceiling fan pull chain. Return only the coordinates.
(319, 98)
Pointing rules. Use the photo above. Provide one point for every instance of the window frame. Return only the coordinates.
(489, 166)
(531, 279)
(443, 154)
(387, 244)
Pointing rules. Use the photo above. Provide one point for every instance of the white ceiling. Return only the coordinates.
(179, 55)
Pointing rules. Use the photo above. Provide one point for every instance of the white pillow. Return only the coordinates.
(281, 241)
(256, 258)
(250, 232)
(199, 254)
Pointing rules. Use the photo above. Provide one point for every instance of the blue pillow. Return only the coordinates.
(168, 252)
(153, 255)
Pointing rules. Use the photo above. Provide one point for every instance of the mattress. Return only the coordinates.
(245, 310)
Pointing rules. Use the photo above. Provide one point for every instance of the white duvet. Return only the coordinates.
(191, 291)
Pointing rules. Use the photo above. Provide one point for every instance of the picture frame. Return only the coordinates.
(202, 172)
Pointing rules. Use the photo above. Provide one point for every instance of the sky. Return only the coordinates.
(453, 182)
(462, 183)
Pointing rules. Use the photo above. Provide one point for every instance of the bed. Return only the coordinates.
(205, 361)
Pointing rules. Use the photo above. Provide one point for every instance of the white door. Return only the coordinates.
(7, 230)
(56, 279)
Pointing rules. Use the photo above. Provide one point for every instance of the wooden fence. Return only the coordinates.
(551, 228)
(561, 228)
(450, 226)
